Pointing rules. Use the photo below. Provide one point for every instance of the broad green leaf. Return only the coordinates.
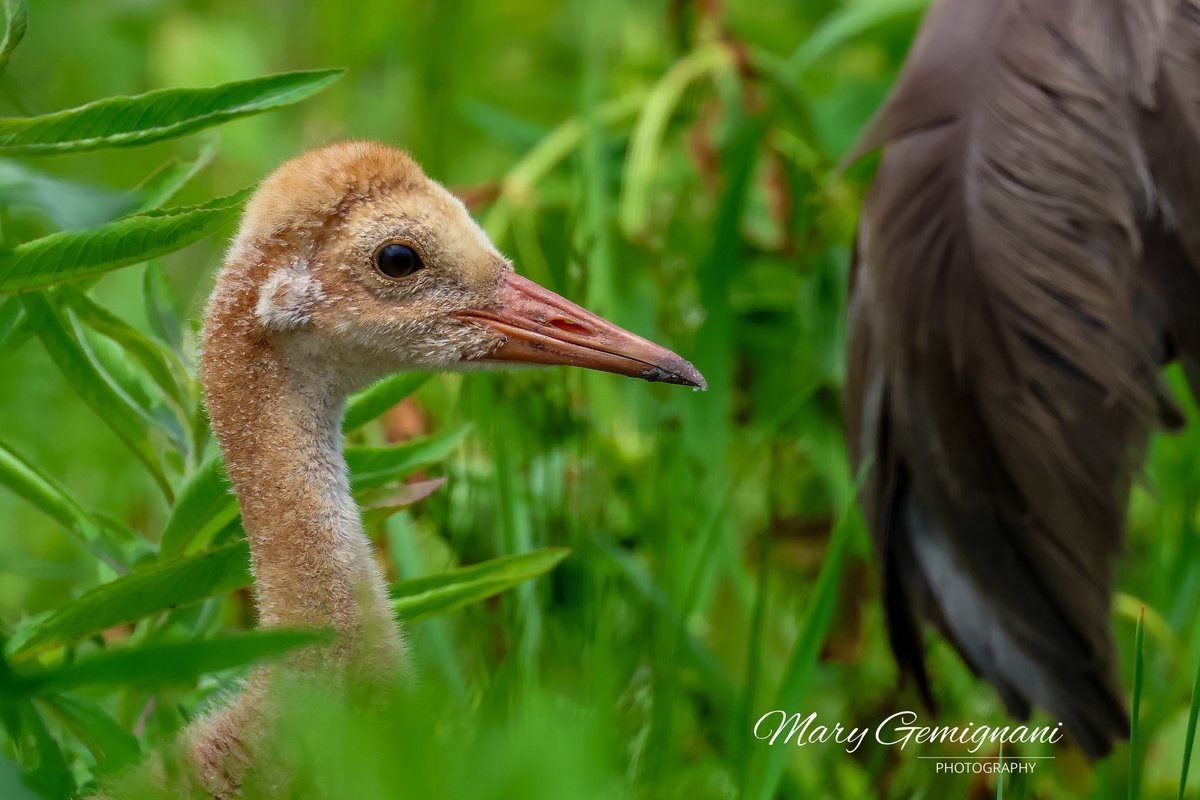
(70, 255)
(159, 587)
(371, 467)
(113, 747)
(158, 362)
(378, 398)
(78, 367)
(157, 115)
(167, 663)
(205, 506)
(435, 594)
(16, 20)
(47, 496)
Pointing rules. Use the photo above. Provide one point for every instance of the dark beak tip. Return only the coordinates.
(678, 372)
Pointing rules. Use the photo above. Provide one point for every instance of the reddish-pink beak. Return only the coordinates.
(541, 327)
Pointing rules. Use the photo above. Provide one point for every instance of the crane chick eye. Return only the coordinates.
(397, 260)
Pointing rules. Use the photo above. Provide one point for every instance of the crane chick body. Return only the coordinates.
(303, 314)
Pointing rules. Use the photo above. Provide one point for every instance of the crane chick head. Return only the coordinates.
(349, 256)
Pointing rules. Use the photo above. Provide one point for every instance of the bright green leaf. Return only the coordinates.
(158, 362)
(371, 467)
(167, 663)
(157, 588)
(157, 115)
(378, 398)
(435, 594)
(204, 507)
(70, 255)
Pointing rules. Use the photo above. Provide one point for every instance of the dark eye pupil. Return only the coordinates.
(398, 261)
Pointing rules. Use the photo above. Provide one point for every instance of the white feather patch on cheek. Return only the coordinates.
(288, 298)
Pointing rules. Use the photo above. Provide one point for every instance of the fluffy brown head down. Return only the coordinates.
(303, 260)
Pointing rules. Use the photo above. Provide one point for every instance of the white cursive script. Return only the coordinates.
(900, 729)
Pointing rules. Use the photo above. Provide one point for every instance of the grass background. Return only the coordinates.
(673, 166)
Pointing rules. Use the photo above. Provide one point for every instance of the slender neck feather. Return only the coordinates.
(277, 417)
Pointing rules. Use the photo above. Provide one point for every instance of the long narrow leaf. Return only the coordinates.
(374, 400)
(70, 255)
(164, 664)
(1135, 710)
(371, 467)
(73, 360)
(205, 506)
(436, 594)
(157, 361)
(157, 115)
(139, 594)
(1189, 743)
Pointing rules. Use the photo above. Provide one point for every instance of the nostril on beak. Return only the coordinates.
(570, 326)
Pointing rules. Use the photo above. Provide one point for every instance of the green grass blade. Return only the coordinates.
(157, 115)
(437, 594)
(1193, 713)
(70, 255)
(378, 398)
(802, 663)
(73, 360)
(1135, 740)
(167, 663)
(205, 506)
(646, 141)
(372, 467)
(849, 22)
(159, 587)
(16, 20)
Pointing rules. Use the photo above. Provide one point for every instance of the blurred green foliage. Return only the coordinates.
(674, 166)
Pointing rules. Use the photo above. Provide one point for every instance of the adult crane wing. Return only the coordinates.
(1004, 347)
